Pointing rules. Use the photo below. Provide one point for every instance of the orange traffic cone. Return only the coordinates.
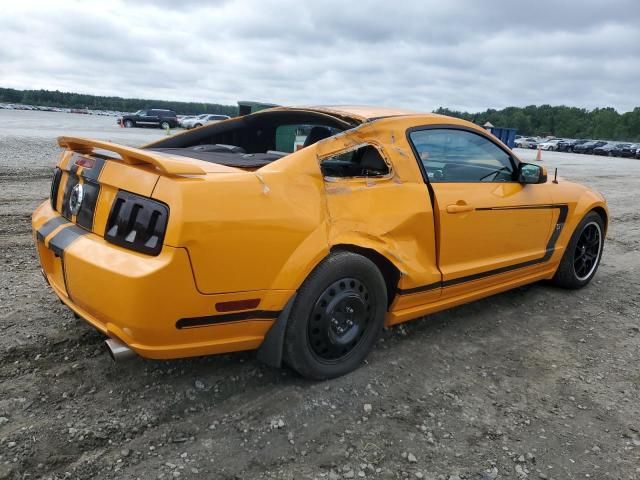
(539, 155)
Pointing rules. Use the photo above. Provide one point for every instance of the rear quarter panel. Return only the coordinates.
(248, 230)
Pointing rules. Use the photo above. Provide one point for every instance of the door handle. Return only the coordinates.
(459, 207)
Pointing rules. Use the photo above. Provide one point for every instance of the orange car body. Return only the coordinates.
(239, 242)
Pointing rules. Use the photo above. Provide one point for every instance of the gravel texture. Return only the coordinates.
(534, 383)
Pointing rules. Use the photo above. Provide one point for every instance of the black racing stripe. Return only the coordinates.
(64, 238)
(550, 248)
(94, 172)
(423, 288)
(226, 318)
(521, 207)
(557, 230)
(49, 226)
(72, 181)
(88, 207)
(55, 186)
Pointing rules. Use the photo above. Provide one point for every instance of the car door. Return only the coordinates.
(369, 206)
(142, 117)
(153, 117)
(487, 223)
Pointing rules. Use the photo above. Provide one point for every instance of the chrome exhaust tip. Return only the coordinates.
(118, 350)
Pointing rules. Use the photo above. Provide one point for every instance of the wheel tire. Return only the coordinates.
(197, 125)
(346, 297)
(165, 125)
(568, 274)
(129, 124)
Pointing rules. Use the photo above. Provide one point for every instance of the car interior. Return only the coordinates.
(365, 161)
(253, 141)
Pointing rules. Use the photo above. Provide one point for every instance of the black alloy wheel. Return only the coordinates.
(587, 251)
(583, 253)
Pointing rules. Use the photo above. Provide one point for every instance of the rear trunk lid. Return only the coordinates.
(114, 177)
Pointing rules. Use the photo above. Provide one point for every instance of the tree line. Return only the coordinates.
(566, 122)
(569, 122)
(56, 98)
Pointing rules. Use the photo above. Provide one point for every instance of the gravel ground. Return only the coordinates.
(534, 383)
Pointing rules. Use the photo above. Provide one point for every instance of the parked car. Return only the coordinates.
(638, 152)
(184, 118)
(153, 117)
(204, 119)
(588, 147)
(569, 144)
(550, 144)
(606, 149)
(219, 240)
(625, 150)
(526, 142)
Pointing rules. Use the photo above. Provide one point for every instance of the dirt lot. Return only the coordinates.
(534, 383)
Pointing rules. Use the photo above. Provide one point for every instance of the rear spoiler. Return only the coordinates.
(132, 156)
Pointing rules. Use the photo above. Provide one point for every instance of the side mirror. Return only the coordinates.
(530, 173)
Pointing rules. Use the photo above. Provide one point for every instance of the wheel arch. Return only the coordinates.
(271, 350)
(603, 214)
(389, 271)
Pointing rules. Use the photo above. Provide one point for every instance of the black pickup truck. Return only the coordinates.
(153, 117)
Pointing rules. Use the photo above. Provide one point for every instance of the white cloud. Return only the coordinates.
(422, 54)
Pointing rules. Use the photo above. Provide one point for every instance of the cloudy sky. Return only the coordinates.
(462, 54)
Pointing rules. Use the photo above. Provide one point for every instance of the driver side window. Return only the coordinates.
(458, 156)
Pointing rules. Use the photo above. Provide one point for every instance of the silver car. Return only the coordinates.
(203, 119)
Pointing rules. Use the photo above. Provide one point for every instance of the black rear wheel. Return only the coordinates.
(337, 317)
(582, 257)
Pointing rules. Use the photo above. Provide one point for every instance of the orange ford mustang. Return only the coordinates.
(301, 232)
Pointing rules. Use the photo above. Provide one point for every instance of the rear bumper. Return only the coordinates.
(142, 300)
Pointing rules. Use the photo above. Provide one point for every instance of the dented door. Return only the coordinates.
(385, 213)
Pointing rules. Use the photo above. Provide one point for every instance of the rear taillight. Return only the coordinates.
(55, 185)
(137, 223)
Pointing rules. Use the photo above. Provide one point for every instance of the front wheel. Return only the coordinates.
(129, 123)
(165, 125)
(336, 318)
(582, 257)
